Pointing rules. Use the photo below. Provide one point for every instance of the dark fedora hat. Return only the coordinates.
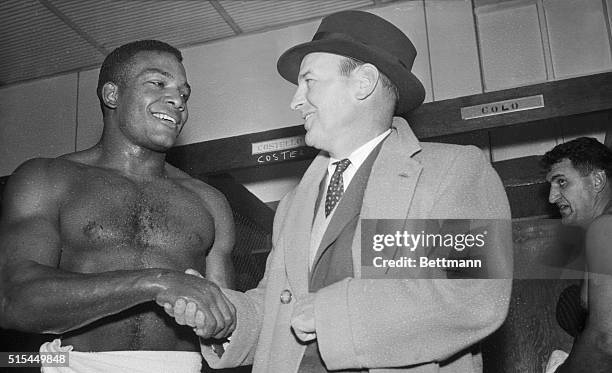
(368, 38)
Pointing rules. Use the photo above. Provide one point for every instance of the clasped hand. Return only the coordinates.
(201, 304)
(207, 322)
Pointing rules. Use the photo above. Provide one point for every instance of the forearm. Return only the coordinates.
(65, 301)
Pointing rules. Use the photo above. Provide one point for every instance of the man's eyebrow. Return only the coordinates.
(302, 75)
(556, 176)
(154, 70)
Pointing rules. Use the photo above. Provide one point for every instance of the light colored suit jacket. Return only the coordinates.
(416, 325)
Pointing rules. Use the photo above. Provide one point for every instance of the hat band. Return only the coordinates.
(334, 35)
(326, 35)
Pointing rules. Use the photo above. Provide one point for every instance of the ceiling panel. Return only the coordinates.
(34, 43)
(113, 23)
(40, 38)
(258, 15)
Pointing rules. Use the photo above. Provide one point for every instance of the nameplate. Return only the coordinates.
(277, 145)
(502, 107)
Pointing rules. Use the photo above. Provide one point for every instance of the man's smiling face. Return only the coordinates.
(152, 103)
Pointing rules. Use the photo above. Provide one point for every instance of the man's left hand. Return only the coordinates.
(303, 318)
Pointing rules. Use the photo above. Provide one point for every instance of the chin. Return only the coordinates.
(162, 146)
(569, 220)
(308, 140)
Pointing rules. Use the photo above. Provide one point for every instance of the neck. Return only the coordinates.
(604, 204)
(117, 153)
(361, 133)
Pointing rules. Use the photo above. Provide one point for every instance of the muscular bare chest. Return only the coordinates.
(110, 222)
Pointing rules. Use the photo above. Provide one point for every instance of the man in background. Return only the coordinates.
(315, 310)
(580, 174)
(91, 240)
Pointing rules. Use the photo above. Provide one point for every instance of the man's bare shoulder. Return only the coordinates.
(197, 186)
(218, 266)
(83, 156)
(599, 245)
(38, 186)
(51, 170)
(601, 226)
(176, 173)
(215, 203)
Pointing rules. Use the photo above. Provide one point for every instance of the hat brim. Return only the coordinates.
(410, 89)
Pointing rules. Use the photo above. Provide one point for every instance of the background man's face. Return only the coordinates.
(572, 193)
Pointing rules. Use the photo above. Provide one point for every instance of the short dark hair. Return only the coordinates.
(585, 153)
(348, 64)
(117, 64)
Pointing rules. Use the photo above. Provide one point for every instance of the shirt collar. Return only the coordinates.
(358, 156)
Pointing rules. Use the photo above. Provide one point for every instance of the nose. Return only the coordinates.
(298, 99)
(553, 195)
(175, 98)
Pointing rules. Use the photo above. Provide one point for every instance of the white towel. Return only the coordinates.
(124, 361)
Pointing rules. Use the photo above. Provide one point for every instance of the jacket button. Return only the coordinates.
(285, 296)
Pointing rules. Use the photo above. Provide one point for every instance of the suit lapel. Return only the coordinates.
(394, 176)
(295, 235)
(392, 183)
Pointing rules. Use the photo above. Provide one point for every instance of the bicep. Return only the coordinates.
(219, 267)
(225, 234)
(33, 239)
(29, 229)
(223, 220)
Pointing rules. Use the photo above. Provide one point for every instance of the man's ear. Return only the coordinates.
(367, 78)
(110, 93)
(600, 179)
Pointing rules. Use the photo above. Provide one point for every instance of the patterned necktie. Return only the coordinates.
(336, 186)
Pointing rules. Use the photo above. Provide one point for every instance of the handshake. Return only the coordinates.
(194, 301)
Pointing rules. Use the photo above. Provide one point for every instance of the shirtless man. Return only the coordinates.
(580, 176)
(92, 240)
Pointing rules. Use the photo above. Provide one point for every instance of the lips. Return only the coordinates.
(306, 117)
(167, 119)
(565, 210)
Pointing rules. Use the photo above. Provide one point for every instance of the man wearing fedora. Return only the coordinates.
(314, 311)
